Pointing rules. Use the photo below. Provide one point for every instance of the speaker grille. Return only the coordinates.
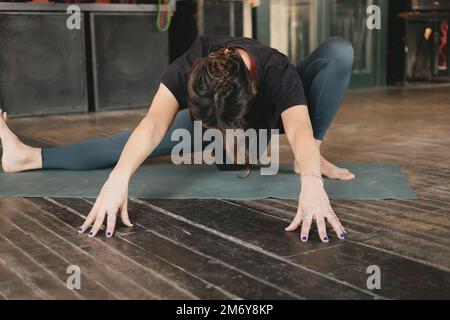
(129, 56)
(42, 64)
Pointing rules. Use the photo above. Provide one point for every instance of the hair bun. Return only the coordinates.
(224, 64)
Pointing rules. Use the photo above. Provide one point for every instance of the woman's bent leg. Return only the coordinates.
(325, 74)
(105, 152)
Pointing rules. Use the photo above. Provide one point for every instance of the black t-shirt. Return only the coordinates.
(279, 85)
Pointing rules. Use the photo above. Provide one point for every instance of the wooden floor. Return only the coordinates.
(216, 249)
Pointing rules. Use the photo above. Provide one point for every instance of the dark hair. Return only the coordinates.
(221, 90)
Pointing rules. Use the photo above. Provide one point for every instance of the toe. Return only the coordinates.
(346, 175)
(296, 168)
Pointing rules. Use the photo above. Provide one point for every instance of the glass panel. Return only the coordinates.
(300, 31)
(290, 27)
(217, 17)
(348, 20)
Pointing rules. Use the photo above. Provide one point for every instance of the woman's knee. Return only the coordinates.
(339, 51)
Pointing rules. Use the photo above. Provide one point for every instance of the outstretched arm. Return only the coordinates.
(145, 138)
(313, 200)
(148, 134)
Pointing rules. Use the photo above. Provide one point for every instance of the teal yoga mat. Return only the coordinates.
(373, 181)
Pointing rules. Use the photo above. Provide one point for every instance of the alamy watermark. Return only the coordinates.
(374, 19)
(73, 22)
(235, 145)
(73, 282)
(374, 280)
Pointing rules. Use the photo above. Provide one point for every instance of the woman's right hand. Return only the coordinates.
(113, 198)
(314, 204)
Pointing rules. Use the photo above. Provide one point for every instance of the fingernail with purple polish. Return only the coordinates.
(80, 230)
(108, 234)
(341, 236)
(304, 238)
(91, 234)
(325, 238)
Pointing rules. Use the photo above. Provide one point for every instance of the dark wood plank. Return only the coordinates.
(247, 256)
(272, 271)
(38, 264)
(14, 285)
(286, 210)
(383, 236)
(211, 270)
(264, 231)
(400, 278)
(113, 281)
(347, 261)
(69, 211)
(395, 210)
(124, 277)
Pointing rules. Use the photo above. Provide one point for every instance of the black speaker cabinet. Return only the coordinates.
(129, 54)
(42, 65)
(220, 17)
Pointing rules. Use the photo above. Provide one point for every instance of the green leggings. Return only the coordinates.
(325, 74)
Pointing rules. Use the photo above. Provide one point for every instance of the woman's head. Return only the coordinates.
(221, 90)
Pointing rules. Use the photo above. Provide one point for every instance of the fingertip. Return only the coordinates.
(126, 220)
(304, 238)
(80, 230)
(129, 224)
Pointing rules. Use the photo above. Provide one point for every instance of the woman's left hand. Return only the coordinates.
(314, 204)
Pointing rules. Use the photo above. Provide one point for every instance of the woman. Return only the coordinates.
(226, 82)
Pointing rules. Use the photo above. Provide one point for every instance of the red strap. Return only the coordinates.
(252, 67)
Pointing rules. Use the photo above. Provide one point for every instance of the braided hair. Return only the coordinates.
(221, 91)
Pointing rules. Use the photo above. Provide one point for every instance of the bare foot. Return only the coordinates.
(330, 170)
(16, 155)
